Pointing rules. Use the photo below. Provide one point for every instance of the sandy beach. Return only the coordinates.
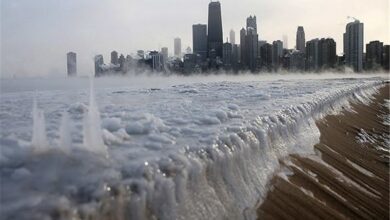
(347, 178)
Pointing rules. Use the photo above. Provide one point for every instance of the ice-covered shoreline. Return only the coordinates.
(173, 163)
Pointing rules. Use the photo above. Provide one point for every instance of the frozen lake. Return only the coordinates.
(170, 147)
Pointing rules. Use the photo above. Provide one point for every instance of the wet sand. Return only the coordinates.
(348, 178)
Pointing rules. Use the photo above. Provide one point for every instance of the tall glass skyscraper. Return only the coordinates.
(215, 35)
(301, 41)
(199, 40)
(251, 23)
(353, 45)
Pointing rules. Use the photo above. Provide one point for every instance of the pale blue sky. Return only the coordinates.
(36, 34)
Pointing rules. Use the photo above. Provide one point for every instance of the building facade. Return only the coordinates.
(312, 60)
(353, 45)
(251, 49)
(277, 53)
(114, 58)
(177, 47)
(266, 56)
(374, 55)
(242, 47)
(215, 34)
(232, 37)
(301, 41)
(99, 65)
(327, 57)
(251, 22)
(227, 55)
(164, 52)
(199, 40)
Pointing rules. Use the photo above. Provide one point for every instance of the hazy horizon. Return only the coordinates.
(36, 35)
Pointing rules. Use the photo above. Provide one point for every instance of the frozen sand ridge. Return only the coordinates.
(222, 178)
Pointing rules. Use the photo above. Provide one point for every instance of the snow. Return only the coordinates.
(111, 124)
(361, 169)
(184, 150)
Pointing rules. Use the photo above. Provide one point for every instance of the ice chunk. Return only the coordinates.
(111, 124)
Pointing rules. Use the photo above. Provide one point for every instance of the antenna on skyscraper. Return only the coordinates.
(350, 17)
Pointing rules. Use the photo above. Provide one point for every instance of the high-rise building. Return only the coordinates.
(251, 23)
(312, 59)
(327, 57)
(297, 61)
(71, 63)
(157, 61)
(353, 45)
(227, 54)
(242, 47)
(251, 49)
(114, 57)
(277, 53)
(266, 56)
(374, 54)
(99, 62)
(235, 56)
(122, 63)
(232, 37)
(177, 47)
(164, 52)
(199, 40)
(386, 57)
(191, 63)
(301, 41)
(215, 35)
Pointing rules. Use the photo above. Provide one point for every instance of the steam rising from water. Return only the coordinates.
(65, 135)
(39, 139)
(93, 140)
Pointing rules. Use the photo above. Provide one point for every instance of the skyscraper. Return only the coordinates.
(164, 52)
(277, 53)
(114, 57)
(327, 53)
(99, 62)
(386, 57)
(251, 49)
(199, 40)
(312, 60)
(71, 63)
(232, 37)
(242, 47)
(353, 45)
(121, 62)
(251, 23)
(227, 54)
(266, 56)
(215, 35)
(301, 39)
(177, 47)
(157, 61)
(374, 54)
(235, 56)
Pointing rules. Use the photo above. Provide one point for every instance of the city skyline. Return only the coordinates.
(22, 52)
